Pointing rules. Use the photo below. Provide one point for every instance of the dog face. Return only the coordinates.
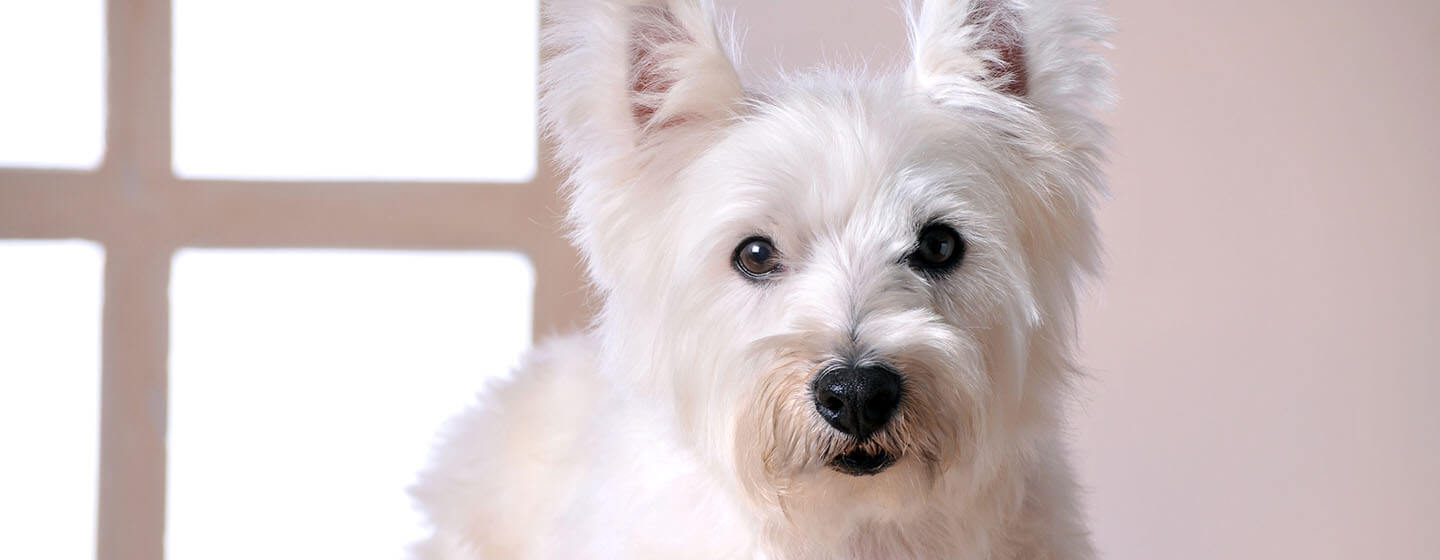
(846, 290)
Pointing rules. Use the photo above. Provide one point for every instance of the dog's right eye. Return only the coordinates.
(938, 249)
(756, 258)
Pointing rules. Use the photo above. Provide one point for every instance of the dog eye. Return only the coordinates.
(756, 258)
(939, 249)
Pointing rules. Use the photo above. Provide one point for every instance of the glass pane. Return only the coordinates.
(306, 387)
(355, 89)
(50, 294)
(52, 83)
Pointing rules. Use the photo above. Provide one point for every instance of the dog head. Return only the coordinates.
(844, 288)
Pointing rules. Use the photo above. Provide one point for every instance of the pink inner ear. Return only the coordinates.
(650, 78)
(1001, 34)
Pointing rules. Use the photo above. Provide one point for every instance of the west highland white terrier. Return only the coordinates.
(837, 314)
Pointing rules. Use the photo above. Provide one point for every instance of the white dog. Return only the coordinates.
(837, 314)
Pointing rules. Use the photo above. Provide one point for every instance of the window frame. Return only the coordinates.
(141, 213)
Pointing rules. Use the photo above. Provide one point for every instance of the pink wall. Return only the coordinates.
(1264, 346)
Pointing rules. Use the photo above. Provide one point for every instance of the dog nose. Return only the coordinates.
(857, 401)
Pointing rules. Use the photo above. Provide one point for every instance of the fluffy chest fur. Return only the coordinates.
(607, 477)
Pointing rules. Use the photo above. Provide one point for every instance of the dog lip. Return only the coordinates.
(861, 463)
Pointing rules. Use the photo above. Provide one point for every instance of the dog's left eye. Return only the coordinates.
(756, 258)
(938, 249)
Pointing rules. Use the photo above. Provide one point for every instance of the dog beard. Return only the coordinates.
(781, 440)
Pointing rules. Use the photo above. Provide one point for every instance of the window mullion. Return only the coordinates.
(50, 204)
(136, 174)
(133, 403)
(139, 96)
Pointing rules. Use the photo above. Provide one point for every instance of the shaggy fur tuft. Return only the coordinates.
(684, 423)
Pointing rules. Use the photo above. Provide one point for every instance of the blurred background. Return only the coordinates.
(252, 253)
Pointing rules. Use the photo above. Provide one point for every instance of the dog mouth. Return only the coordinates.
(862, 463)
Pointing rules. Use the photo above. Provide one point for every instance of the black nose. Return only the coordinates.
(857, 401)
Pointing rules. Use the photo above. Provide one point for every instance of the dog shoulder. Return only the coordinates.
(503, 469)
(1052, 523)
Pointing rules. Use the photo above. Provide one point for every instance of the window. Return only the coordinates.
(189, 201)
(52, 104)
(316, 380)
(325, 89)
(50, 294)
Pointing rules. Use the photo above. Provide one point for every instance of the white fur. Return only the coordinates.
(681, 424)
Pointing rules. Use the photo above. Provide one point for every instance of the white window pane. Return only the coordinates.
(306, 387)
(355, 89)
(50, 294)
(52, 83)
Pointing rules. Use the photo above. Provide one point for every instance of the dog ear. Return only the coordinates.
(623, 76)
(1041, 52)
(979, 40)
(630, 90)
